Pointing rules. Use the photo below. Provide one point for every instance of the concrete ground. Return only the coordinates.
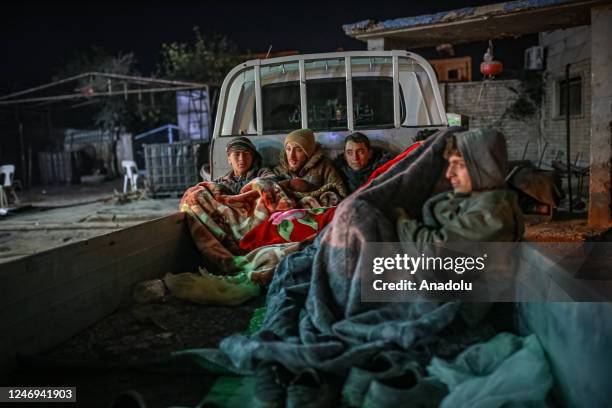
(574, 229)
(48, 217)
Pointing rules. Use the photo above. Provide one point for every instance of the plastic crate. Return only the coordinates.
(172, 167)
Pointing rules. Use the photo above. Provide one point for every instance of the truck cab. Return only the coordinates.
(387, 95)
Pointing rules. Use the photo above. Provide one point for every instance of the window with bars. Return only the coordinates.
(372, 104)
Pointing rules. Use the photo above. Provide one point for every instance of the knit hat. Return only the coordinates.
(304, 138)
(244, 143)
(241, 143)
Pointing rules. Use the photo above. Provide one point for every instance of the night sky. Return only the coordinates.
(37, 38)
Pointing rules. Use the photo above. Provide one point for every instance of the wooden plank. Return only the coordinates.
(12, 226)
(86, 257)
(49, 297)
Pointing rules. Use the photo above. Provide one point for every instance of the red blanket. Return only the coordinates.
(382, 169)
(287, 226)
(297, 225)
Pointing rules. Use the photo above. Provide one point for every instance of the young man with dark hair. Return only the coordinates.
(359, 160)
(246, 166)
(480, 208)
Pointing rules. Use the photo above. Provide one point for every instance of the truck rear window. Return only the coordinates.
(326, 98)
(373, 102)
(281, 107)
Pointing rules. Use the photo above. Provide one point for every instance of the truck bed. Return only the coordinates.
(67, 317)
(75, 301)
(100, 360)
(47, 298)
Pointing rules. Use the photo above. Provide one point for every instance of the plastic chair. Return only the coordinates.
(3, 201)
(131, 175)
(7, 171)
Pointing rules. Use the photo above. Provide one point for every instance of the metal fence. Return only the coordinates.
(172, 167)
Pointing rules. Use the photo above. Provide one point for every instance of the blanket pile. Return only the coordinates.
(315, 317)
(218, 222)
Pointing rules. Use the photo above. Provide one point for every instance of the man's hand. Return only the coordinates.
(301, 185)
(247, 187)
(190, 197)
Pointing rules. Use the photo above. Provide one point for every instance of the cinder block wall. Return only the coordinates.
(571, 46)
(485, 103)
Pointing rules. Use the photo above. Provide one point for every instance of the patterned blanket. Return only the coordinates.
(242, 239)
(218, 222)
(315, 317)
(294, 225)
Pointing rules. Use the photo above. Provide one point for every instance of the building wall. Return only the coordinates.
(486, 103)
(571, 46)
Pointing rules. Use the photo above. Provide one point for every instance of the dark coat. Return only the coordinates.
(318, 171)
(356, 178)
(490, 213)
(231, 184)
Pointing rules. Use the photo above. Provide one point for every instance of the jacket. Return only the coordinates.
(231, 183)
(356, 178)
(489, 213)
(318, 171)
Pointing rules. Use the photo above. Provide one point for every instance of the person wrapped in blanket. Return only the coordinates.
(246, 165)
(304, 170)
(480, 208)
(359, 160)
(212, 201)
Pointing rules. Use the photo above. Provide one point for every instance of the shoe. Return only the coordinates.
(271, 381)
(384, 365)
(407, 390)
(309, 389)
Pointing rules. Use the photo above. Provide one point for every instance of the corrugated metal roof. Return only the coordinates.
(500, 20)
(449, 16)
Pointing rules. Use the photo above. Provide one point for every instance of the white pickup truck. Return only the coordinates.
(387, 95)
